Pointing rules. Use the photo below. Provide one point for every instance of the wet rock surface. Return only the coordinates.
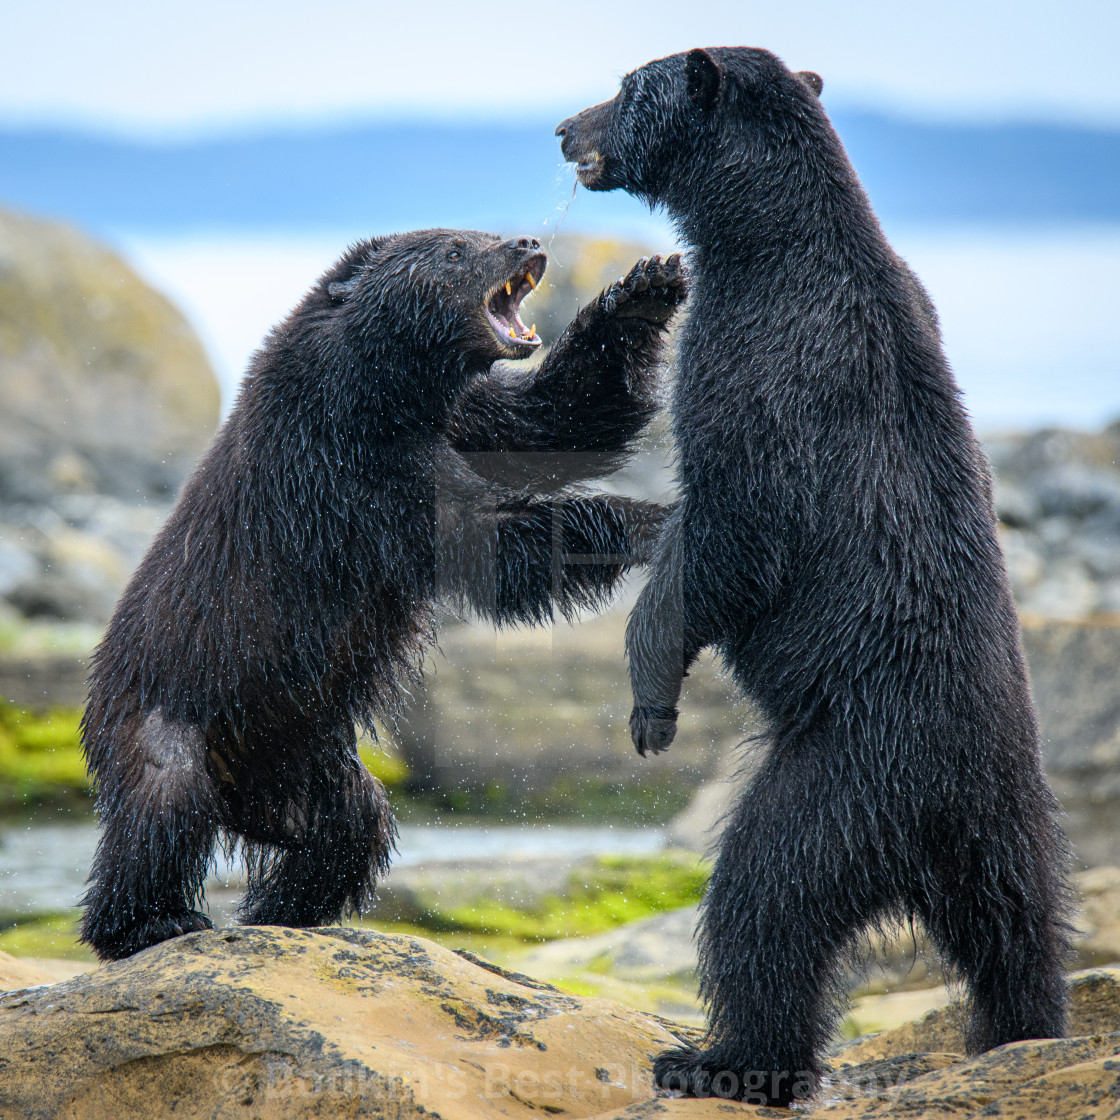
(338, 1022)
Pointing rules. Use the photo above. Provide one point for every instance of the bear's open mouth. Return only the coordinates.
(503, 306)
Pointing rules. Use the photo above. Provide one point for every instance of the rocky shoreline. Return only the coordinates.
(275, 1023)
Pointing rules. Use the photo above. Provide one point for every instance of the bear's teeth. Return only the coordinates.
(532, 282)
(512, 333)
(509, 289)
(532, 331)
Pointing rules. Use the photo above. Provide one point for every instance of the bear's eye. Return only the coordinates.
(452, 254)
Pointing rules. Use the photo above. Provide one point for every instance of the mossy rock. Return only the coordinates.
(105, 385)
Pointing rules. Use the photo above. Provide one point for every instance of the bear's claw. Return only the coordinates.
(652, 290)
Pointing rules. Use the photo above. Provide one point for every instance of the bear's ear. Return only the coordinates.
(704, 77)
(814, 82)
(343, 289)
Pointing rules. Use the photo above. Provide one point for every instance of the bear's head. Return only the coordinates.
(672, 120)
(452, 294)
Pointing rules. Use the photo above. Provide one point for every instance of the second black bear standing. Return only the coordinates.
(835, 541)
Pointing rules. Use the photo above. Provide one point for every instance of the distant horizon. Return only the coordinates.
(279, 124)
(489, 173)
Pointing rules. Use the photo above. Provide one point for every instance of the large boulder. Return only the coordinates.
(277, 1023)
(105, 386)
(337, 1022)
(108, 401)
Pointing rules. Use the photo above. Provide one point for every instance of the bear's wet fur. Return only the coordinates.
(291, 593)
(835, 542)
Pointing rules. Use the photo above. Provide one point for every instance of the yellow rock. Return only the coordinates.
(1094, 1009)
(335, 1022)
(16, 973)
(1098, 922)
(272, 1024)
(19, 972)
(886, 1012)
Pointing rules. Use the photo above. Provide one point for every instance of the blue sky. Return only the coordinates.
(210, 65)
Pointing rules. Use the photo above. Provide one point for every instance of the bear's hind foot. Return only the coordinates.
(699, 1073)
(117, 943)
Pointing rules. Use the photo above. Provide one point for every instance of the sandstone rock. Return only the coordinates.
(1098, 922)
(336, 1022)
(17, 973)
(1073, 1077)
(1094, 1010)
(274, 1023)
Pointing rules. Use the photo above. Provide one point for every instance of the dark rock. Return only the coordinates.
(1015, 505)
(1076, 490)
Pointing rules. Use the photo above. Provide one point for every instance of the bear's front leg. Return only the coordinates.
(661, 643)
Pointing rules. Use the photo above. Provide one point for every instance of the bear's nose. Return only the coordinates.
(523, 243)
(562, 127)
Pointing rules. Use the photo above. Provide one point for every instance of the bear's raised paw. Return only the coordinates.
(652, 290)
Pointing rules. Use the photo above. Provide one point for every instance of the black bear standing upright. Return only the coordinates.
(835, 541)
(291, 592)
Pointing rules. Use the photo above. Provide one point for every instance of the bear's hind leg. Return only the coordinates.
(161, 815)
(998, 913)
(796, 880)
(338, 838)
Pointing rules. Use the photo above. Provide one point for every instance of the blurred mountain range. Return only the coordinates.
(504, 176)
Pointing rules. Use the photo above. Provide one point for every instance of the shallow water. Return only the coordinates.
(43, 866)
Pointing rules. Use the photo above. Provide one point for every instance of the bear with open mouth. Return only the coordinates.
(374, 464)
